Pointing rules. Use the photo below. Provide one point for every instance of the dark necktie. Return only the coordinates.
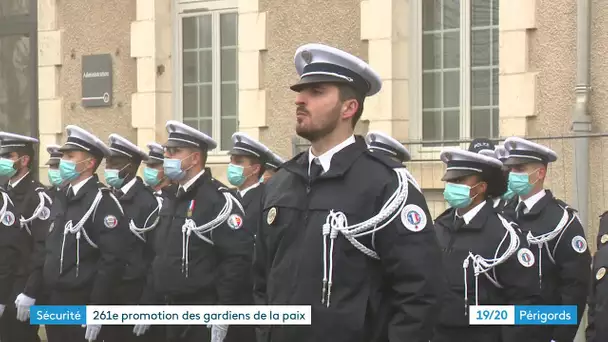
(458, 222)
(180, 192)
(520, 210)
(118, 193)
(69, 193)
(315, 170)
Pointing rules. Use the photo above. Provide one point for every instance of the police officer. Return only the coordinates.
(154, 174)
(484, 248)
(88, 236)
(554, 230)
(597, 315)
(502, 155)
(33, 205)
(141, 209)
(272, 165)
(342, 224)
(486, 147)
(383, 143)
(53, 174)
(213, 266)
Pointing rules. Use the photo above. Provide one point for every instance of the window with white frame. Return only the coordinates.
(459, 65)
(207, 89)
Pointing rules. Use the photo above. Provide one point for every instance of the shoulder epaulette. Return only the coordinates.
(384, 159)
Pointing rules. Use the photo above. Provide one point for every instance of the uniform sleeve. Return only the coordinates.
(40, 229)
(113, 236)
(590, 331)
(574, 270)
(12, 243)
(411, 259)
(233, 244)
(260, 264)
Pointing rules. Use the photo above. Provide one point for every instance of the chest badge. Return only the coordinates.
(600, 273)
(235, 221)
(8, 219)
(413, 218)
(525, 257)
(272, 214)
(579, 244)
(604, 238)
(44, 214)
(110, 221)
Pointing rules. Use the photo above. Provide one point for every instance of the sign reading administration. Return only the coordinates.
(97, 80)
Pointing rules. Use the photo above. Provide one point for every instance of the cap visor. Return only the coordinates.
(237, 152)
(512, 161)
(66, 148)
(451, 175)
(52, 162)
(174, 143)
(152, 161)
(308, 81)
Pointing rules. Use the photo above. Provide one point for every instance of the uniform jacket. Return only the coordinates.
(565, 271)
(597, 315)
(484, 235)
(99, 268)
(15, 250)
(25, 196)
(252, 202)
(218, 273)
(394, 298)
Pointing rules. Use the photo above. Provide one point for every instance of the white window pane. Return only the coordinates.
(229, 65)
(495, 87)
(191, 122)
(451, 89)
(206, 101)
(495, 46)
(189, 67)
(481, 13)
(451, 124)
(190, 102)
(480, 87)
(206, 126)
(431, 90)
(229, 100)
(451, 14)
(205, 31)
(451, 49)
(481, 123)
(431, 51)
(189, 33)
(205, 66)
(495, 12)
(495, 123)
(480, 47)
(228, 129)
(431, 125)
(431, 15)
(228, 29)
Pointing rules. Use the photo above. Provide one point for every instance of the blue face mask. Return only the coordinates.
(113, 179)
(519, 183)
(7, 167)
(55, 177)
(173, 168)
(235, 175)
(508, 195)
(67, 169)
(458, 195)
(151, 176)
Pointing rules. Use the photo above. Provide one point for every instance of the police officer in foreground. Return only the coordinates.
(317, 243)
(597, 314)
(88, 236)
(141, 209)
(213, 266)
(33, 205)
(553, 229)
(154, 174)
(486, 258)
(53, 174)
(272, 165)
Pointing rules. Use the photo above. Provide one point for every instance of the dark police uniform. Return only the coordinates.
(303, 211)
(214, 266)
(557, 238)
(33, 204)
(602, 233)
(482, 234)
(597, 315)
(141, 209)
(84, 263)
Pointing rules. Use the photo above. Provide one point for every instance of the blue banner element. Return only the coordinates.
(545, 315)
(58, 314)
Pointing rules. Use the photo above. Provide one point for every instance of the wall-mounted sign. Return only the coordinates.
(97, 80)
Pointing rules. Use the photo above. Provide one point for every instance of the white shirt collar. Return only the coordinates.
(496, 201)
(125, 188)
(79, 185)
(14, 184)
(192, 180)
(325, 158)
(244, 191)
(470, 215)
(532, 200)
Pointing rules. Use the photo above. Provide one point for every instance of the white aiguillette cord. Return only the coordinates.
(139, 232)
(42, 197)
(336, 222)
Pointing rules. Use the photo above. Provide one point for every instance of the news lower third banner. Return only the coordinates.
(523, 315)
(170, 315)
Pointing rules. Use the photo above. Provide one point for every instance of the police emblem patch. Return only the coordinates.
(235, 221)
(604, 238)
(525, 257)
(600, 273)
(110, 221)
(272, 214)
(579, 244)
(413, 218)
(8, 219)
(44, 214)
